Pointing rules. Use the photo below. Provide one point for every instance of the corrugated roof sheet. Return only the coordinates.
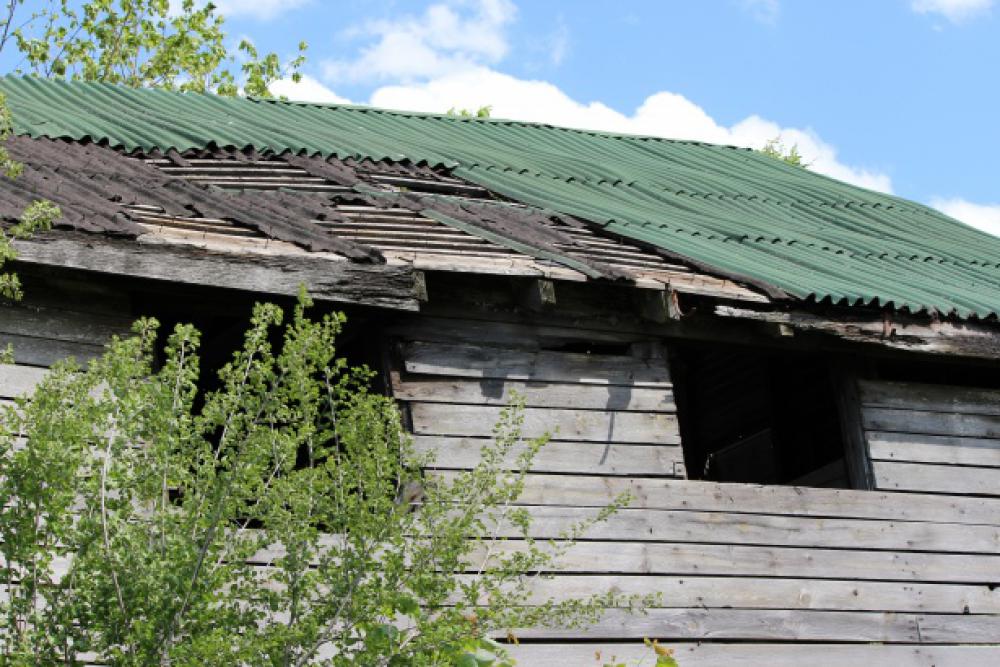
(733, 209)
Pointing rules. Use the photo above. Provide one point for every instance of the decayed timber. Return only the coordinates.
(19, 380)
(766, 530)
(596, 458)
(494, 391)
(496, 362)
(697, 592)
(663, 494)
(936, 398)
(561, 423)
(967, 339)
(784, 625)
(937, 478)
(691, 654)
(932, 423)
(643, 558)
(345, 282)
(923, 448)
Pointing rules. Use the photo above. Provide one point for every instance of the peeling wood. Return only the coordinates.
(967, 339)
(343, 282)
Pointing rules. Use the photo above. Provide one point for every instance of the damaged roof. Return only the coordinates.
(732, 209)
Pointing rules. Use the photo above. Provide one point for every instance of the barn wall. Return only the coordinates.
(54, 321)
(932, 438)
(749, 574)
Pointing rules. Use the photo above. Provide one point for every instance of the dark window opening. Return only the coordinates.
(758, 416)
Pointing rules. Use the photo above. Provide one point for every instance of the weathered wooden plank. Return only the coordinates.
(536, 394)
(639, 525)
(937, 478)
(931, 423)
(856, 456)
(19, 380)
(967, 339)
(562, 424)
(326, 280)
(540, 365)
(562, 457)
(62, 325)
(783, 625)
(921, 448)
(712, 654)
(664, 494)
(35, 351)
(759, 561)
(767, 593)
(937, 398)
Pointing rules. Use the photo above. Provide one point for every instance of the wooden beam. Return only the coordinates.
(539, 295)
(659, 306)
(856, 455)
(967, 339)
(379, 285)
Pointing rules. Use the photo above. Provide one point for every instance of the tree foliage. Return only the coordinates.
(37, 216)
(776, 148)
(280, 520)
(142, 44)
(481, 112)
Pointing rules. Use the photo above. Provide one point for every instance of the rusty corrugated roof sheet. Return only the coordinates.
(729, 208)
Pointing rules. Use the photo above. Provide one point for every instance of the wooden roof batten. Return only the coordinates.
(429, 239)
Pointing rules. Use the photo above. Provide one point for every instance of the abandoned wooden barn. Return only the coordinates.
(799, 379)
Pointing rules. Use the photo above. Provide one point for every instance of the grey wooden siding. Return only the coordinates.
(749, 574)
(51, 324)
(932, 438)
(609, 414)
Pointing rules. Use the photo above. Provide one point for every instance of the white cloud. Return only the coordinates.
(981, 216)
(664, 114)
(307, 89)
(763, 11)
(956, 11)
(262, 10)
(559, 43)
(447, 37)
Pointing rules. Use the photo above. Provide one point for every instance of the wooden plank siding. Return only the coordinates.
(748, 574)
(932, 438)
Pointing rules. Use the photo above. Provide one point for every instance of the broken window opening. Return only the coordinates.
(758, 416)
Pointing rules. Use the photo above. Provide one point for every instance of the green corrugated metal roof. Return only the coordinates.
(730, 208)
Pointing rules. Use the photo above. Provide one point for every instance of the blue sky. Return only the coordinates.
(897, 95)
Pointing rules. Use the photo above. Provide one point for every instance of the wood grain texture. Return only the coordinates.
(537, 365)
(693, 654)
(347, 282)
(931, 423)
(536, 394)
(592, 458)
(662, 494)
(640, 558)
(764, 529)
(937, 478)
(783, 625)
(562, 424)
(34, 351)
(19, 380)
(936, 398)
(921, 448)
(766, 593)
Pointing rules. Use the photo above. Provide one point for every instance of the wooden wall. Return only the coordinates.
(56, 320)
(754, 575)
(932, 438)
(749, 575)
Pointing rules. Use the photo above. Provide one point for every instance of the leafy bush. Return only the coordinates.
(282, 519)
